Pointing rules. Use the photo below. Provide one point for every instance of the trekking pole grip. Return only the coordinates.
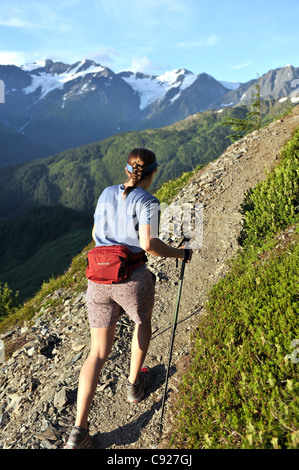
(186, 250)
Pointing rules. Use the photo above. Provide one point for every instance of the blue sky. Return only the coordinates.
(231, 40)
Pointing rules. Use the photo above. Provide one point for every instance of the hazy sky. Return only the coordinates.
(231, 40)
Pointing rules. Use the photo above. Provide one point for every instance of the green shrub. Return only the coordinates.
(275, 202)
(241, 390)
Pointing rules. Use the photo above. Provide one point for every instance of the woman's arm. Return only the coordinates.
(156, 247)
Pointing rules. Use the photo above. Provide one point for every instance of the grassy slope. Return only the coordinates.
(76, 177)
(241, 390)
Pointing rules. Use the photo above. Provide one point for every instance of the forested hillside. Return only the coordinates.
(76, 177)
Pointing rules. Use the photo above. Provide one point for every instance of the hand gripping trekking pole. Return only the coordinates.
(174, 327)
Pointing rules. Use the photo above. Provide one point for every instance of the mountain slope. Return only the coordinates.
(39, 383)
(63, 106)
(180, 102)
(40, 244)
(16, 149)
(277, 84)
(76, 177)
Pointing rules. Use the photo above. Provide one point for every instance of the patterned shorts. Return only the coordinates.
(106, 302)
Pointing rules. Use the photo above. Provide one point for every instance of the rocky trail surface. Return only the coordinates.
(38, 384)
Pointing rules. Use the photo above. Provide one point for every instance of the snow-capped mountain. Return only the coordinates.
(51, 77)
(151, 88)
(277, 84)
(58, 106)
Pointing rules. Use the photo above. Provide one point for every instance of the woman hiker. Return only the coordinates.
(126, 215)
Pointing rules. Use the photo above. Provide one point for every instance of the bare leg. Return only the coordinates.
(140, 343)
(101, 345)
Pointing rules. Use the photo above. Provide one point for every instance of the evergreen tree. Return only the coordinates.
(255, 114)
(8, 301)
(251, 122)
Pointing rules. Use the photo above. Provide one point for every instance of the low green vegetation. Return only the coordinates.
(274, 203)
(241, 389)
(73, 279)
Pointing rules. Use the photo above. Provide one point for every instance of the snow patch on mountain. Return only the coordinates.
(153, 88)
(49, 82)
(230, 85)
(48, 76)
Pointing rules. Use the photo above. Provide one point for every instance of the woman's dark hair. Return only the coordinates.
(139, 159)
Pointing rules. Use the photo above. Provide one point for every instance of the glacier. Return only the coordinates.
(153, 88)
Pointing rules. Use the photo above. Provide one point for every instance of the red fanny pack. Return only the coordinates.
(112, 264)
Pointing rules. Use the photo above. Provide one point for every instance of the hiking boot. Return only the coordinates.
(79, 439)
(135, 393)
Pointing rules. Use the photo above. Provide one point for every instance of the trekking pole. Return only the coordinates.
(173, 333)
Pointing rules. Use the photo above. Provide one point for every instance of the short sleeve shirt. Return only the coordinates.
(117, 220)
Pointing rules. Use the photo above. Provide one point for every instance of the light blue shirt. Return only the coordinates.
(117, 220)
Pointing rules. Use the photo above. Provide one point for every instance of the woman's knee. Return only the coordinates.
(102, 341)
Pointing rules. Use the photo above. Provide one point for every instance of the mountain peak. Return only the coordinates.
(53, 75)
(52, 67)
(49, 66)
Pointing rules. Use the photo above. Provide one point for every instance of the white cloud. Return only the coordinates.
(16, 23)
(241, 66)
(141, 6)
(33, 16)
(211, 41)
(12, 58)
(104, 56)
(141, 64)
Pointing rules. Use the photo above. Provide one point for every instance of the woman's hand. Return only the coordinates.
(189, 254)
